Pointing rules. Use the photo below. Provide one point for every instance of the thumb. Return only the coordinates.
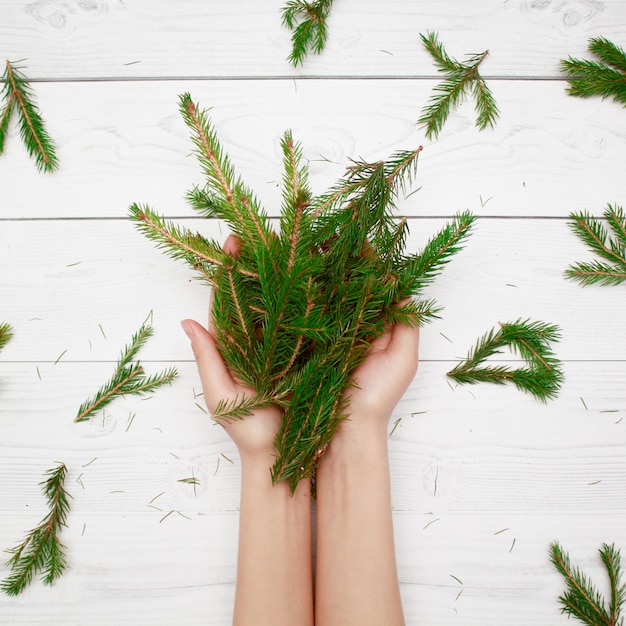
(216, 379)
(404, 345)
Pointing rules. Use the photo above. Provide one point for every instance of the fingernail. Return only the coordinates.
(188, 328)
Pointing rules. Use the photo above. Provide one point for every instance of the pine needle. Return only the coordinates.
(531, 340)
(6, 332)
(307, 22)
(582, 600)
(41, 550)
(452, 91)
(608, 243)
(605, 78)
(128, 378)
(17, 95)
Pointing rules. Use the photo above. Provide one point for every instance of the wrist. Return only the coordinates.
(358, 445)
(362, 430)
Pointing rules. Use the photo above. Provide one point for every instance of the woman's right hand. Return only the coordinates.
(254, 434)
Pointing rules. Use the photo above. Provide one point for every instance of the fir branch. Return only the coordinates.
(238, 206)
(17, 94)
(307, 22)
(531, 340)
(420, 270)
(609, 244)
(42, 550)
(193, 248)
(605, 78)
(582, 600)
(128, 378)
(452, 91)
(6, 332)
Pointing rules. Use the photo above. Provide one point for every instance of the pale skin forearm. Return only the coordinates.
(274, 578)
(357, 581)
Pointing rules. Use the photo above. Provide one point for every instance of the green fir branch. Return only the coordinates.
(295, 310)
(608, 242)
(6, 332)
(307, 22)
(17, 95)
(461, 79)
(128, 378)
(582, 600)
(41, 550)
(605, 78)
(421, 269)
(530, 340)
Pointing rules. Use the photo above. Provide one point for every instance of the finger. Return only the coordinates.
(216, 379)
(232, 245)
(404, 344)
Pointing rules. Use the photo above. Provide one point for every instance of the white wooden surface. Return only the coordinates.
(483, 478)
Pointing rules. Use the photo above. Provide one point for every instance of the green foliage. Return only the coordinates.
(610, 246)
(461, 78)
(16, 94)
(307, 22)
(41, 550)
(530, 340)
(296, 309)
(5, 334)
(605, 78)
(582, 600)
(128, 378)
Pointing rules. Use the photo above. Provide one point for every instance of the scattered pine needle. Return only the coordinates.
(432, 521)
(60, 356)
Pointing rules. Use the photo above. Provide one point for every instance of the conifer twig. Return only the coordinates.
(128, 378)
(582, 599)
(531, 340)
(307, 21)
(452, 91)
(6, 332)
(16, 94)
(605, 78)
(42, 550)
(608, 243)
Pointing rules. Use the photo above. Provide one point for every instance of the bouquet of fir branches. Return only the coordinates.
(296, 309)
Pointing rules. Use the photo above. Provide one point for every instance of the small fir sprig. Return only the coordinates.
(17, 95)
(128, 378)
(605, 77)
(582, 600)
(530, 340)
(296, 309)
(608, 243)
(6, 332)
(307, 22)
(461, 79)
(41, 550)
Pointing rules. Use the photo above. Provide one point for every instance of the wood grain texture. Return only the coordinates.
(72, 39)
(118, 143)
(81, 288)
(483, 477)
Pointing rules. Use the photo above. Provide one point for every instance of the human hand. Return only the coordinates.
(254, 434)
(382, 378)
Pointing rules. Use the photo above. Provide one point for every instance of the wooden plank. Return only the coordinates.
(482, 448)
(118, 143)
(133, 569)
(242, 38)
(77, 290)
